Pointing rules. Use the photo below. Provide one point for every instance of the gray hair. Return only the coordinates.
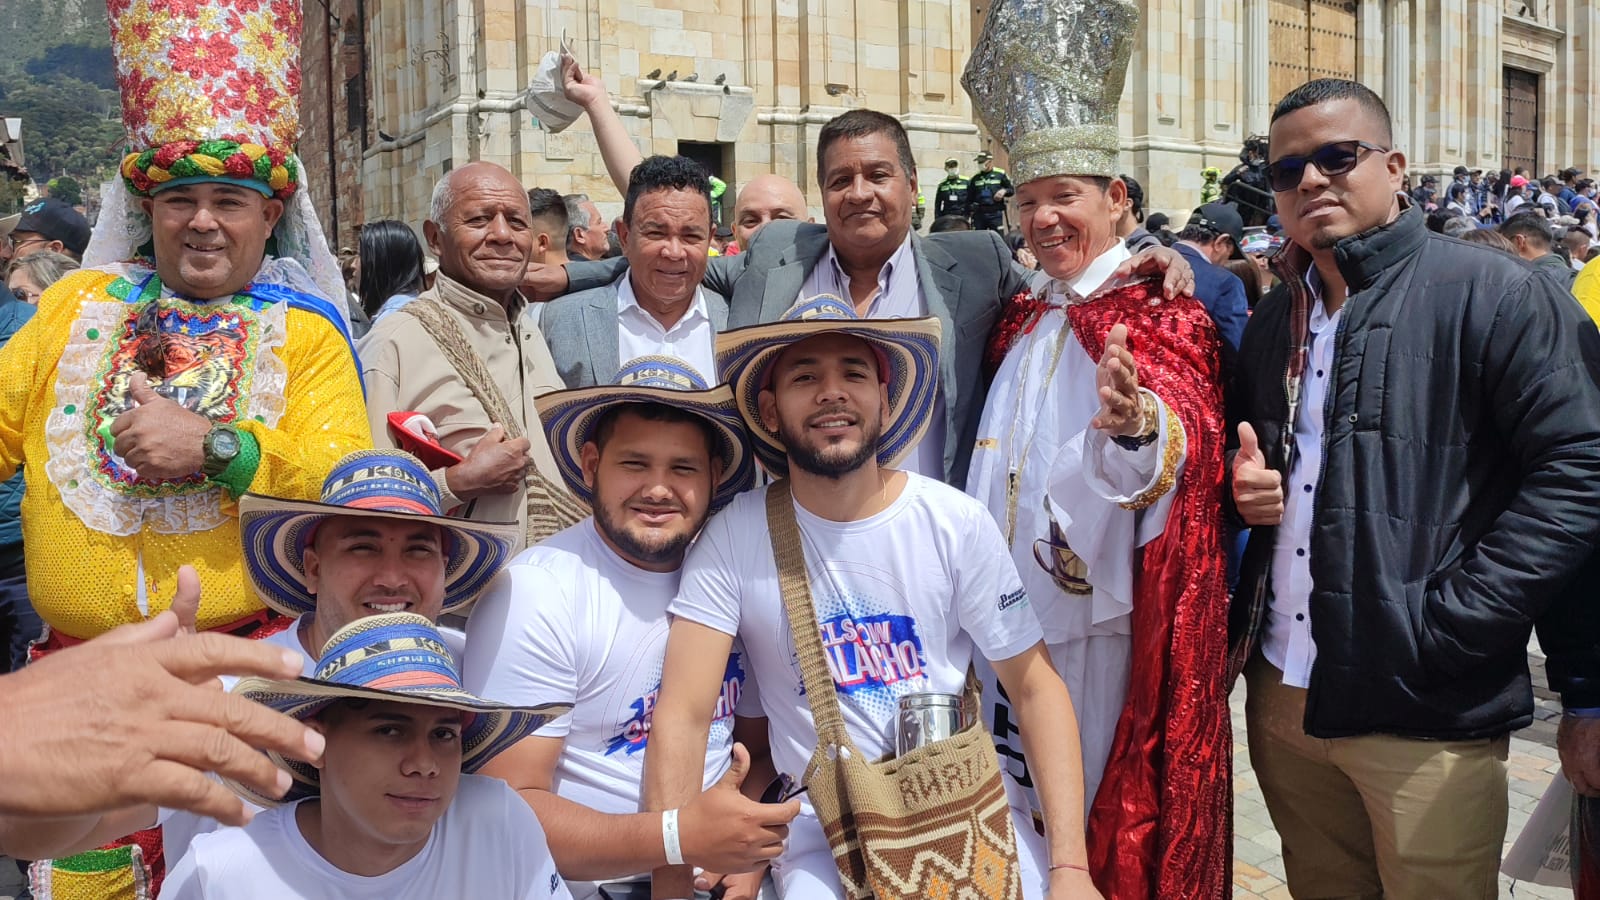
(1457, 226)
(444, 195)
(44, 267)
(575, 213)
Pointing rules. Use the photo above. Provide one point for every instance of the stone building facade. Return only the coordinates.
(398, 92)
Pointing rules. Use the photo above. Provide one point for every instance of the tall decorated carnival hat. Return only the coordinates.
(1046, 77)
(210, 92)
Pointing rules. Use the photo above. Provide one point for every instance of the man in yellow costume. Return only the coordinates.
(195, 356)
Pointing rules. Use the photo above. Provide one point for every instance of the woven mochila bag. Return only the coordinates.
(931, 823)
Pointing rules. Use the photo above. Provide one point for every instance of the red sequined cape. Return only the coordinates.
(1160, 827)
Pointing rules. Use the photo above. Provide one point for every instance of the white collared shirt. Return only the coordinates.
(692, 338)
(1287, 641)
(899, 296)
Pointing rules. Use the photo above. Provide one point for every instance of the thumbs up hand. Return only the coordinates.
(724, 831)
(1257, 488)
(158, 438)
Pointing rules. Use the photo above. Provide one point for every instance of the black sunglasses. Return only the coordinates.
(1332, 159)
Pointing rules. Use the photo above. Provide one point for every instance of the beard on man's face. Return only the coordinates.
(832, 461)
(648, 546)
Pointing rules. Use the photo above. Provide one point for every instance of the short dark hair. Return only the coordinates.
(949, 223)
(1156, 222)
(859, 123)
(1549, 181)
(1199, 234)
(547, 206)
(1530, 226)
(666, 173)
(653, 412)
(1135, 196)
(1327, 90)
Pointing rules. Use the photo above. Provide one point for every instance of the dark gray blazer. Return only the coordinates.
(965, 277)
(581, 330)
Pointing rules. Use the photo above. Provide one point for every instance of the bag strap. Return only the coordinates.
(551, 507)
(457, 350)
(795, 588)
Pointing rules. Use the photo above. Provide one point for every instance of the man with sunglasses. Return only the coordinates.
(1418, 439)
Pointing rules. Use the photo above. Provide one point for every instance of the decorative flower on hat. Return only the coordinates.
(210, 92)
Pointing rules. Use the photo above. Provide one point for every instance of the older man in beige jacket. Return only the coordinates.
(463, 355)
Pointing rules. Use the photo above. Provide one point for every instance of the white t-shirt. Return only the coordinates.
(901, 598)
(487, 844)
(570, 621)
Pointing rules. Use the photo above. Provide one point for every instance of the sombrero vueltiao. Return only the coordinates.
(400, 658)
(387, 484)
(908, 354)
(569, 418)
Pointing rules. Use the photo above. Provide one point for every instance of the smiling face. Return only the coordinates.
(360, 566)
(1323, 210)
(210, 238)
(867, 198)
(666, 248)
(652, 481)
(1068, 221)
(485, 238)
(826, 403)
(389, 772)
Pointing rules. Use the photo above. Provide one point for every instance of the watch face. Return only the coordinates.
(225, 444)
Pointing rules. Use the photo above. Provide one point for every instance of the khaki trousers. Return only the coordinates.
(1375, 816)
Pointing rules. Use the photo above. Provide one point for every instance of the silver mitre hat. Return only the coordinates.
(1046, 77)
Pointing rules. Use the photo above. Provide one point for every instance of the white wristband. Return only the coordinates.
(669, 838)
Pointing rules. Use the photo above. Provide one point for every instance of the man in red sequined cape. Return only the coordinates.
(1100, 453)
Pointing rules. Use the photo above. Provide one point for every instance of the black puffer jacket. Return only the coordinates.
(1458, 498)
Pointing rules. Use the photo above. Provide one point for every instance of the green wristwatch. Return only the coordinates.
(222, 445)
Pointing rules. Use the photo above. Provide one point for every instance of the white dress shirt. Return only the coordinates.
(692, 338)
(1287, 640)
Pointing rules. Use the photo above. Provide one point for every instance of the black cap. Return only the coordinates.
(1223, 219)
(1460, 171)
(1429, 179)
(724, 232)
(985, 156)
(54, 220)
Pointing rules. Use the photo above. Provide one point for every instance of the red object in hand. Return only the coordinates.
(422, 442)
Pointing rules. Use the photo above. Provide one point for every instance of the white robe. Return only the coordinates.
(1080, 477)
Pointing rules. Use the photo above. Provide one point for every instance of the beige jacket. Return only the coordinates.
(404, 370)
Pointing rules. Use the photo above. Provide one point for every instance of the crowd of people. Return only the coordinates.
(551, 557)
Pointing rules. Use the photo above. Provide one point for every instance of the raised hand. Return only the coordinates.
(159, 438)
(582, 88)
(1117, 378)
(1257, 488)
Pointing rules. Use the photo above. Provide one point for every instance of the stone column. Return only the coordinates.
(1398, 88)
(1258, 100)
(1370, 44)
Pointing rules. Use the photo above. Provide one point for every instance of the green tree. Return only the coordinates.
(69, 126)
(66, 189)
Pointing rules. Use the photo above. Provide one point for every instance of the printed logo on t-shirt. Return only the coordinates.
(1020, 595)
(871, 652)
(555, 883)
(635, 733)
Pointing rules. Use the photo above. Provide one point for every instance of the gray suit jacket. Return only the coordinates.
(581, 330)
(965, 277)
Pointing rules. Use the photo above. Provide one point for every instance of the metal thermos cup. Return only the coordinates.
(925, 718)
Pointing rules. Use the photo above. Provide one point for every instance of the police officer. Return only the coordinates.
(986, 195)
(950, 197)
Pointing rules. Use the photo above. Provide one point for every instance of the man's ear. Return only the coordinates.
(312, 563)
(272, 211)
(589, 460)
(431, 234)
(768, 401)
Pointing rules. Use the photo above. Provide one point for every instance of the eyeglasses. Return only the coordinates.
(1332, 159)
(25, 295)
(18, 245)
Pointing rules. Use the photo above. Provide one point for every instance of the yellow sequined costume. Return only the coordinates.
(93, 534)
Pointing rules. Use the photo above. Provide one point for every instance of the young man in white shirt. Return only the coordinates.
(376, 542)
(911, 581)
(393, 812)
(582, 618)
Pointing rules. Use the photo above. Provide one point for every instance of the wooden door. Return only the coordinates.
(1522, 120)
(1309, 39)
